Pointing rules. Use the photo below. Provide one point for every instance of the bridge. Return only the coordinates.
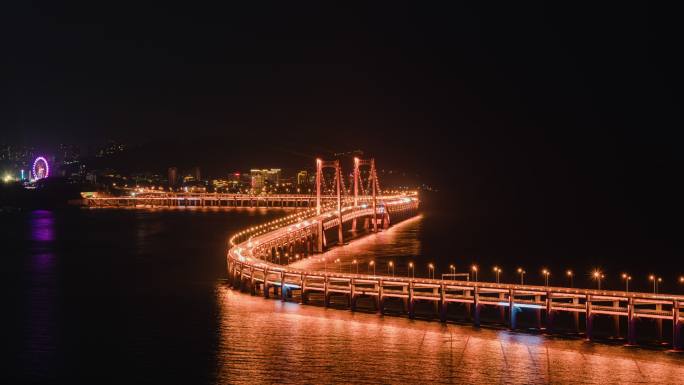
(171, 199)
(258, 259)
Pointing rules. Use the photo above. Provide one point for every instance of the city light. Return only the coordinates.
(497, 270)
(656, 281)
(546, 274)
(598, 276)
(521, 271)
(627, 278)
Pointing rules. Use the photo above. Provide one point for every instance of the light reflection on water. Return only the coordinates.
(40, 302)
(400, 243)
(267, 341)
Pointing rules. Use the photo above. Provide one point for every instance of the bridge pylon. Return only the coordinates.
(374, 186)
(320, 165)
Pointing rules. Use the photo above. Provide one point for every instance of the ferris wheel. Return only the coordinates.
(40, 168)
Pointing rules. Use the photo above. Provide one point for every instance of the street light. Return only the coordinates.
(497, 270)
(521, 271)
(355, 262)
(627, 278)
(452, 270)
(390, 265)
(598, 276)
(339, 266)
(570, 275)
(474, 269)
(431, 271)
(412, 269)
(371, 263)
(546, 276)
(656, 281)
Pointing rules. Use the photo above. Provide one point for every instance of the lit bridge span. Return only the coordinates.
(181, 199)
(258, 259)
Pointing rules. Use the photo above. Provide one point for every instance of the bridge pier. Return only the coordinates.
(303, 297)
(575, 315)
(590, 319)
(238, 278)
(443, 304)
(659, 323)
(435, 303)
(549, 313)
(266, 286)
(283, 289)
(469, 312)
(512, 321)
(352, 295)
(411, 302)
(380, 299)
(616, 320)
(631, 323)
(252, 286)
(538, 317)
(677, 326)
(476, 308)
(229, 271)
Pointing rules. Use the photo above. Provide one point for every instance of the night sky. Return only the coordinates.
(548, 117)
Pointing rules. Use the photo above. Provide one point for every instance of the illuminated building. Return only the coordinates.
(257, 180)
(262, 178)
(302, 177)
(68, 154)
